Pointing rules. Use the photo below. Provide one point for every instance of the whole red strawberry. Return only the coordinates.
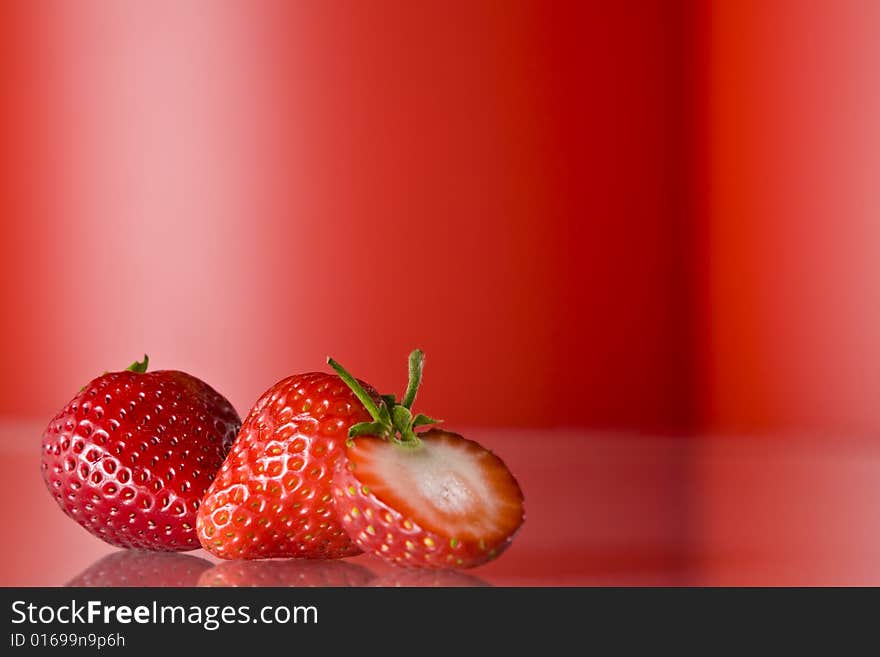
(131, 455)
(272, 496)
(430, 500)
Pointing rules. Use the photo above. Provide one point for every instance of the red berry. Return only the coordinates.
(143, 569)
(272, 497)
(433, 499)
(445, 502)
(131, 455)
(287, 572)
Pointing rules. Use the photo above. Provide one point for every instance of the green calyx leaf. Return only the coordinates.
(358, 390)
(391, 420)
(381, 426)
(402, 418)
(421, 420)
(139, 366)
(416, 366)
(366, 429)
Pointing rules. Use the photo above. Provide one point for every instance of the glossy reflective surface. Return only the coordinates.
(602, 509)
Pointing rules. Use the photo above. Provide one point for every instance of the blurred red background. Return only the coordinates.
(242, 189)
(643, 215)
(653, 215)
(788, 216)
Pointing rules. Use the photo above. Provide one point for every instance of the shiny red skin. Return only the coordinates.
(272, 497)
(287, 572)
(143, 569)
(132, 454)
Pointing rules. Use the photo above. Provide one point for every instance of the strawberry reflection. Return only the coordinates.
(427, 578)
(287, 572)
(144, 569)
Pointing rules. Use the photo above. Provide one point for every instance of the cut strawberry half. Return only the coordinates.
(447, 484)
(430, 499)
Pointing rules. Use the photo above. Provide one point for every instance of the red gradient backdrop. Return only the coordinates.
(648, 215)
(242, 189)
(790, 220)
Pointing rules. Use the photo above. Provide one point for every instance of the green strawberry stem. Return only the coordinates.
(416, 365)
(391, 421)
(139, 366)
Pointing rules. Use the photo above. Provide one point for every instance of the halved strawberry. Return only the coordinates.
(433, 499)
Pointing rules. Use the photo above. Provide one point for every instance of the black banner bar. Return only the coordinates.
(405, 621)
